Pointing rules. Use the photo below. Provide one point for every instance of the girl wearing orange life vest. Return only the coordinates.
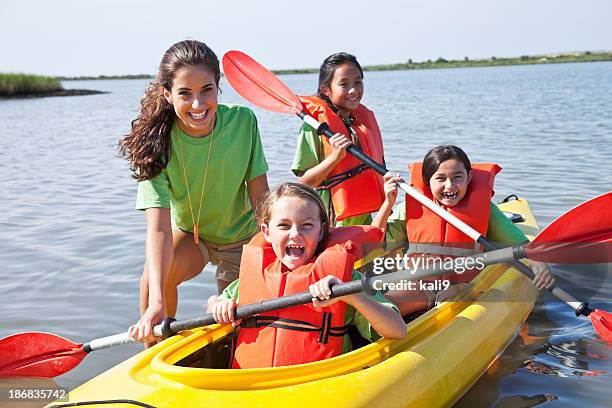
(296, 251)
(448, 178)
(350, 190)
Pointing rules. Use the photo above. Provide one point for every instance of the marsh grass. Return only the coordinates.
(22, 84)
(466, 62)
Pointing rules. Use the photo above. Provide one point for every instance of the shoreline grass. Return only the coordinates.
(18, 86)
(586, 56)
(35, 84)
(466, 62)
(12, 85)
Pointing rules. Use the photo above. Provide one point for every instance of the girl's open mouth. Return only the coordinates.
(294, 250)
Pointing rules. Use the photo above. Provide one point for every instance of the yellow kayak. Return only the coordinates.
(445, 351)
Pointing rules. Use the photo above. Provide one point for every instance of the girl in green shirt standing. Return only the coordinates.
(201, 170)
(349, 189)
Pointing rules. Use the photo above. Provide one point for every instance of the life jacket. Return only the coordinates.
(429, 233)
(299, 334)
(355, 188)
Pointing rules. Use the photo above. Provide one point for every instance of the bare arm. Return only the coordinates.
(386, 321)
(380, 220)
(257, 187)
(317, 174)
(158, 258)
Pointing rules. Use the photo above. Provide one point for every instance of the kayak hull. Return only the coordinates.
(443, 354)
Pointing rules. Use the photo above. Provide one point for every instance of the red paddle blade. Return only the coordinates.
(37, 354)
(581, 235)
(602, 322)
(258, 85)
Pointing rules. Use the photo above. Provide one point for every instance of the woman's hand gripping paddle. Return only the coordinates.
(261, 87)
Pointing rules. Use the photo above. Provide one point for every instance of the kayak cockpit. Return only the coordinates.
(199, 358)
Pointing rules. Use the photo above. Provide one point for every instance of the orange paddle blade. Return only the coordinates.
(602, 322)
(38, 354)
(581, 235)
(258, 85)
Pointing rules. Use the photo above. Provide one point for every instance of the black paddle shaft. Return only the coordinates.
(170, 327)
(324, 130)
(582, 309)
(489, 246)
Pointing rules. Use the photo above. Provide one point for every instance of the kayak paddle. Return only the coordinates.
(37, 354)
(261, 87)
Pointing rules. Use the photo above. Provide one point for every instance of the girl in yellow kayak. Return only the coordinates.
(296, 251)
(201, 169)
(463, 189)
(349, 189)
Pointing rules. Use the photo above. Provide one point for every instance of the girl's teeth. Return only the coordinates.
(295, 250)
(199, 115)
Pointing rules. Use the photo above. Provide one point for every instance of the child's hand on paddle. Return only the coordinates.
(543, 279)
(321, 291)
(339, 143)
(223, 311)
(390, 186)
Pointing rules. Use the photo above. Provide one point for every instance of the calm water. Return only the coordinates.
(71, 244)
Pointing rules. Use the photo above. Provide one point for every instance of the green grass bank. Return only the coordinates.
(466, 62)
(34, 86)
(21, 85)
(583, 56)
(13, 85)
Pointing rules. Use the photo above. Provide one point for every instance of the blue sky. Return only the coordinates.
(113, 37)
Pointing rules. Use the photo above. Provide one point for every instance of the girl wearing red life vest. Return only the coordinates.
(350, 190)
(296, 251)
(448, 178)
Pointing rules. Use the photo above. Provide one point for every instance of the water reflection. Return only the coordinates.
(540, 368)
(544, 348)
(486, 391)
(524, 401)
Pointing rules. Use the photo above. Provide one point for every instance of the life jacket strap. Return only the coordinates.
(326, 329)
(331, 211)
(336, 179)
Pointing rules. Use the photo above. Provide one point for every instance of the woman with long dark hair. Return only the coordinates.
(201, 171)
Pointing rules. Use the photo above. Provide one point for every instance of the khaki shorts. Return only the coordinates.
(435, 297)
(225, 256)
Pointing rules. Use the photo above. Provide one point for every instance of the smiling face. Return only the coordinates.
(294, 230)
(345, 89)
(450, 182)
(194, 98)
